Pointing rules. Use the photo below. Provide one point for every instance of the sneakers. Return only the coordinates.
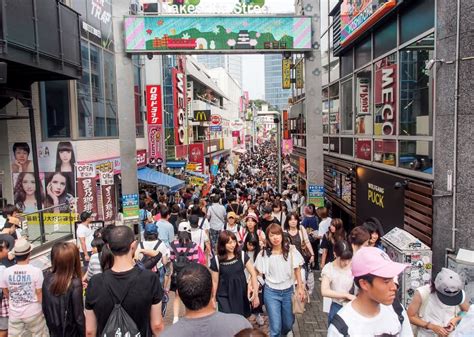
(259, 320)
(175, 320)
(289, 334)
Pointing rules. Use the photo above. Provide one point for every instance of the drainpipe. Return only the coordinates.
(456, 108)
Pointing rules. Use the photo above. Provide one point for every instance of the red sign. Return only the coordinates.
(302, 165)
(216, 119)
(155, 142)
(179, 98)
(196, 155)
(386, 96)
(363, 149)
(86, 195)
(286, 128)
(141, 158)
(154, 105)
(108, 203)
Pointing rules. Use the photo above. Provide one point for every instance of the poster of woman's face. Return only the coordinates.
(59, 190)
(56, 157)
(21, 157)
(24, 191)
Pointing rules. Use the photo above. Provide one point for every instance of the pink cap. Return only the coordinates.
(371, 260)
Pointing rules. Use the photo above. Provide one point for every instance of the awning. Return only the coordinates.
(176, 164)
(241, 151)
(218, 153)
(198, 174)
(153, 177)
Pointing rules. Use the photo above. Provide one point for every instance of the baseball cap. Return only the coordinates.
(252, 216)
(22, 247)
(151, 228)
(449, 286)
(267, 210)
(184, 227)
(231, 215)
(371, 260)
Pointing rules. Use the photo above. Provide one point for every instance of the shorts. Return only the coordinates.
(35, 325)
(3, 323)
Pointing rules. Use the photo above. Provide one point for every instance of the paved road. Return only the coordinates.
(313, 323)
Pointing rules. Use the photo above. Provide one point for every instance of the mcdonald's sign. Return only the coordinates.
(202, 115)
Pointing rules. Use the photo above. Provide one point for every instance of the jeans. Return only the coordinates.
(279, 309)
(335, 307)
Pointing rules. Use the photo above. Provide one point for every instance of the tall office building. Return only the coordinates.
(231, 63)
(274, 94)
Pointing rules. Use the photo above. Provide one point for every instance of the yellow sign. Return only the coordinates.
(191, 167)
(286, 73)
(196, 181)
(52, 218)
(300, 74)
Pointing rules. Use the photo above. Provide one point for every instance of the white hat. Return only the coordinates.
(184, 227)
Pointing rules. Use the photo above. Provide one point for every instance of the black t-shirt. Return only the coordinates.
(265, 223)
(327, 244)
(11, 242)
(145, 291)
(10, 225)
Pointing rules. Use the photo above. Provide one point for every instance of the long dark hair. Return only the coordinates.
(19, 192)
(64, 197)
(339, 234)
(65, 146)
(253, 239)
(285, 244)
(184, 238)
(286, 226)
(224, 238)
(65, 266)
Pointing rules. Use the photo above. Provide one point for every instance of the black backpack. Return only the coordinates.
(343, 329)
(181, 259)
(142, 263)
(119, 322)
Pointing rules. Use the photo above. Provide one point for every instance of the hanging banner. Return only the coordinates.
(286, 73)
(179, 98)
(85, 171)
(87, 195)
(155, 143)
(299, 74)
(196, 156)
(154, 105)
(107, 178)
(108, 203)
(286, 127)
(287, 146)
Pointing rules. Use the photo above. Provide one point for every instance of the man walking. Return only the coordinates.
(139, 290)
(165, 228)
(85, 235)
(216, 215)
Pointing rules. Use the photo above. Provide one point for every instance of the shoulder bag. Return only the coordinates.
(297, 304)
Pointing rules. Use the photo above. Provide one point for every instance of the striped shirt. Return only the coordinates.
(94, 266)
(192, 254)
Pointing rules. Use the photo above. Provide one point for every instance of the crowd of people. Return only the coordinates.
(237, 249)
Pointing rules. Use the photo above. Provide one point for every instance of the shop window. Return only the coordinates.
(346, 106)
(325, 110)
(347, 63)
(334, 116)
(416, 89)
(55, 110)
(325, 59)
(385, 151)
(333, 61)
(326, 143)
(363, 148)
(347, 146)
(416, 19)
(334, 144)
(385, 96)
(363, 102)
(84, 102)
(363, 53)
(385, 39)
(416, 155)
(110, 95)
(324, 15)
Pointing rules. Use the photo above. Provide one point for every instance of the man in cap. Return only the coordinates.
(85, 235)
(435, 308)
(22, 284)
(375, 311)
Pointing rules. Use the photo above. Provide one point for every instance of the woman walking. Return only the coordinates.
(62, 293)
(299, 238)
(336, 232)
(281, 265)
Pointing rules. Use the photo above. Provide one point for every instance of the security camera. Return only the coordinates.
(429, 64)
(149, 56)
(400, 184)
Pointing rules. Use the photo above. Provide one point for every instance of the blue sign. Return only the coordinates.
(316, 195)
(216, 128)
(130, 206)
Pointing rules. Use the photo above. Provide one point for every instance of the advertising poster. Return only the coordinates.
(346, 194)
(287, 146)
(385, 98)
(130, 206)
(155, 143)
(154, 105)
(316, 195)
(196, 156)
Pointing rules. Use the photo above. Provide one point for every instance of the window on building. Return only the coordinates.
(385, 39)
(347, 146)
(363, 148)
(363, 52)
(346, 107)
(385, 151)
(84, 97)
(416, 155)
(324, 15)
(325, 59)
(347, 63)
(333, 60)
(137, 91)
(363, 102)
(416, 19)
(385, 96)
(334, 115)
(416, 89)
(98, 98)
(325, 110)
(55, 110)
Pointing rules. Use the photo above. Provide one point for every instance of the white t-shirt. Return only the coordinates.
(324, 226)
(341, 280)
(162, 248)
(84, 231)
(205, 224)
(386, 323)
(199, 237)
(277, 270)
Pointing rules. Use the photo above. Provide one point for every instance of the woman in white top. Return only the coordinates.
(437, 308)
(325, 222)
(281, 264)
(337, 279)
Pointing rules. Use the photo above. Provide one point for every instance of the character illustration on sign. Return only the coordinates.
(21, 163)
(24, 193)
(195, 155)
(58, 186)
(65, 158)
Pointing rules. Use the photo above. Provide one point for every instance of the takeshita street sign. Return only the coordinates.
(211, 34)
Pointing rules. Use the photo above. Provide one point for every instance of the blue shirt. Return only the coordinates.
(165, 231)
(310, 222)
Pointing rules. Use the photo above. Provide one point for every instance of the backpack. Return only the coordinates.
(343, 329)
(119, 322)
(181, 259)
(142, 262)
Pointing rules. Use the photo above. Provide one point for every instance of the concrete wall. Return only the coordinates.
(444, 130)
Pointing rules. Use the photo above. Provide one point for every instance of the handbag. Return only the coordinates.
(298, 306)
(304, 248)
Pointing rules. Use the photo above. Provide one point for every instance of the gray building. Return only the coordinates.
(231, 63)
(274, 94)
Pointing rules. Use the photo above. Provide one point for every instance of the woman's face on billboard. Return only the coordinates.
(28, 184)
(65, 156)
(21, 156)
(58, 184)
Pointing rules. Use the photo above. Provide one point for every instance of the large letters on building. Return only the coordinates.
(386, 98)
(179, 95)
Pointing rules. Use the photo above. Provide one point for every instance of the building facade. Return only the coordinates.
(274, 94)
(231, 63)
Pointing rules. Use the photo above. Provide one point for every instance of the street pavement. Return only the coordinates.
(313, 323)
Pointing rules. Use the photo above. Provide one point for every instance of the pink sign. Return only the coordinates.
(155, 142)
(287, 146)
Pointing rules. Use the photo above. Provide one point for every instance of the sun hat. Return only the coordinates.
(373, 261)
(449, 286)
(184, 227)
(231, 215)
(22, 247)
(251, 216)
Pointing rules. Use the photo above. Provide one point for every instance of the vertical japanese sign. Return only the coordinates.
(196, 156)
(155, 143)
(300, 74)
(108, 196)
(86, 188)
(154, 105)
(286, 73)
(286, 127)
(179, 98)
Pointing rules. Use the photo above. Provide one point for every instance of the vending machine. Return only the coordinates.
(403, 247)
